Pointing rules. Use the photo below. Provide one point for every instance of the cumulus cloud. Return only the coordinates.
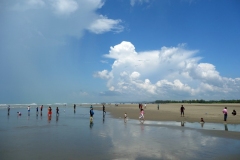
(103, 74)
(168, 73)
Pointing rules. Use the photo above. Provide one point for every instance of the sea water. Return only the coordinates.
(71, 135)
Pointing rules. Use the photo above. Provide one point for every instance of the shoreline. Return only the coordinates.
(171, 112)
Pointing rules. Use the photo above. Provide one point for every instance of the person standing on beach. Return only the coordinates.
(74, 107)
(57, 111)
(49, 111)
(182, 111)
(41, 107)
(104, 112)
(158, 106)
(28, 110)
(145, 106)
(91, 114)
(225, 113)
(125, 117)
(8, 109)
(37, 110)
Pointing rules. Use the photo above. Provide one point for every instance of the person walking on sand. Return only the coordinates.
(145, 106)
(158, 106)
(225, 113)
(182, 111)
(104, 112)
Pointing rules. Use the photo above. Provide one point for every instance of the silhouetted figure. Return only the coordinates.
(57, 111)
(104, 112)
(182, 111)
(8, 109)
(234, 113)
(74, 107)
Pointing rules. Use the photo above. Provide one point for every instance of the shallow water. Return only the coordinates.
(71, 136)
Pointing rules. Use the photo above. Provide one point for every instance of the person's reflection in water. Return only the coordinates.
(103, 118)
(49, 118)
(202, 122)
(182, 123)
(57, 117)
(226, 127)
(142, 127)
(91, 124)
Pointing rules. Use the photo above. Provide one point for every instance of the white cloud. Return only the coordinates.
(168, 73)
(103, 24)
(64, 6)
(103, 74)
(135, 75)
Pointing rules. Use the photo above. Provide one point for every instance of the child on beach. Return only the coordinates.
(234, 113)
(141, 114)
(125, 117)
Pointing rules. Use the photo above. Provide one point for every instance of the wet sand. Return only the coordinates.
(171, 112)
(72, 136)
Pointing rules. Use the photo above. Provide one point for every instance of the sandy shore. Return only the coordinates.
(171, 112)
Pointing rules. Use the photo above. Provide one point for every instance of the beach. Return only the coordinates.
(171, 112)
(71, 135)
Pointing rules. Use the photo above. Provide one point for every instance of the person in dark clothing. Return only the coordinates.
(182, 111)
(104, 112)
(91, 114)
(234, 113)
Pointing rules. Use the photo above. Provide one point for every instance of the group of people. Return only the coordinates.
(141, 117)
(225, 113)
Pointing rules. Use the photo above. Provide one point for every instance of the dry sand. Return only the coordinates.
(171, 112)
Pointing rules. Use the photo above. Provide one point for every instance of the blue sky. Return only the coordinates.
(76, 51)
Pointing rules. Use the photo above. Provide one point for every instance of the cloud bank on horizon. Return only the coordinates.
(169, 73)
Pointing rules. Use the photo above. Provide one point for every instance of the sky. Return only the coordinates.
(89, 51)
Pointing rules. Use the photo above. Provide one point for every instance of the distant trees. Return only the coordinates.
(199, 101)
